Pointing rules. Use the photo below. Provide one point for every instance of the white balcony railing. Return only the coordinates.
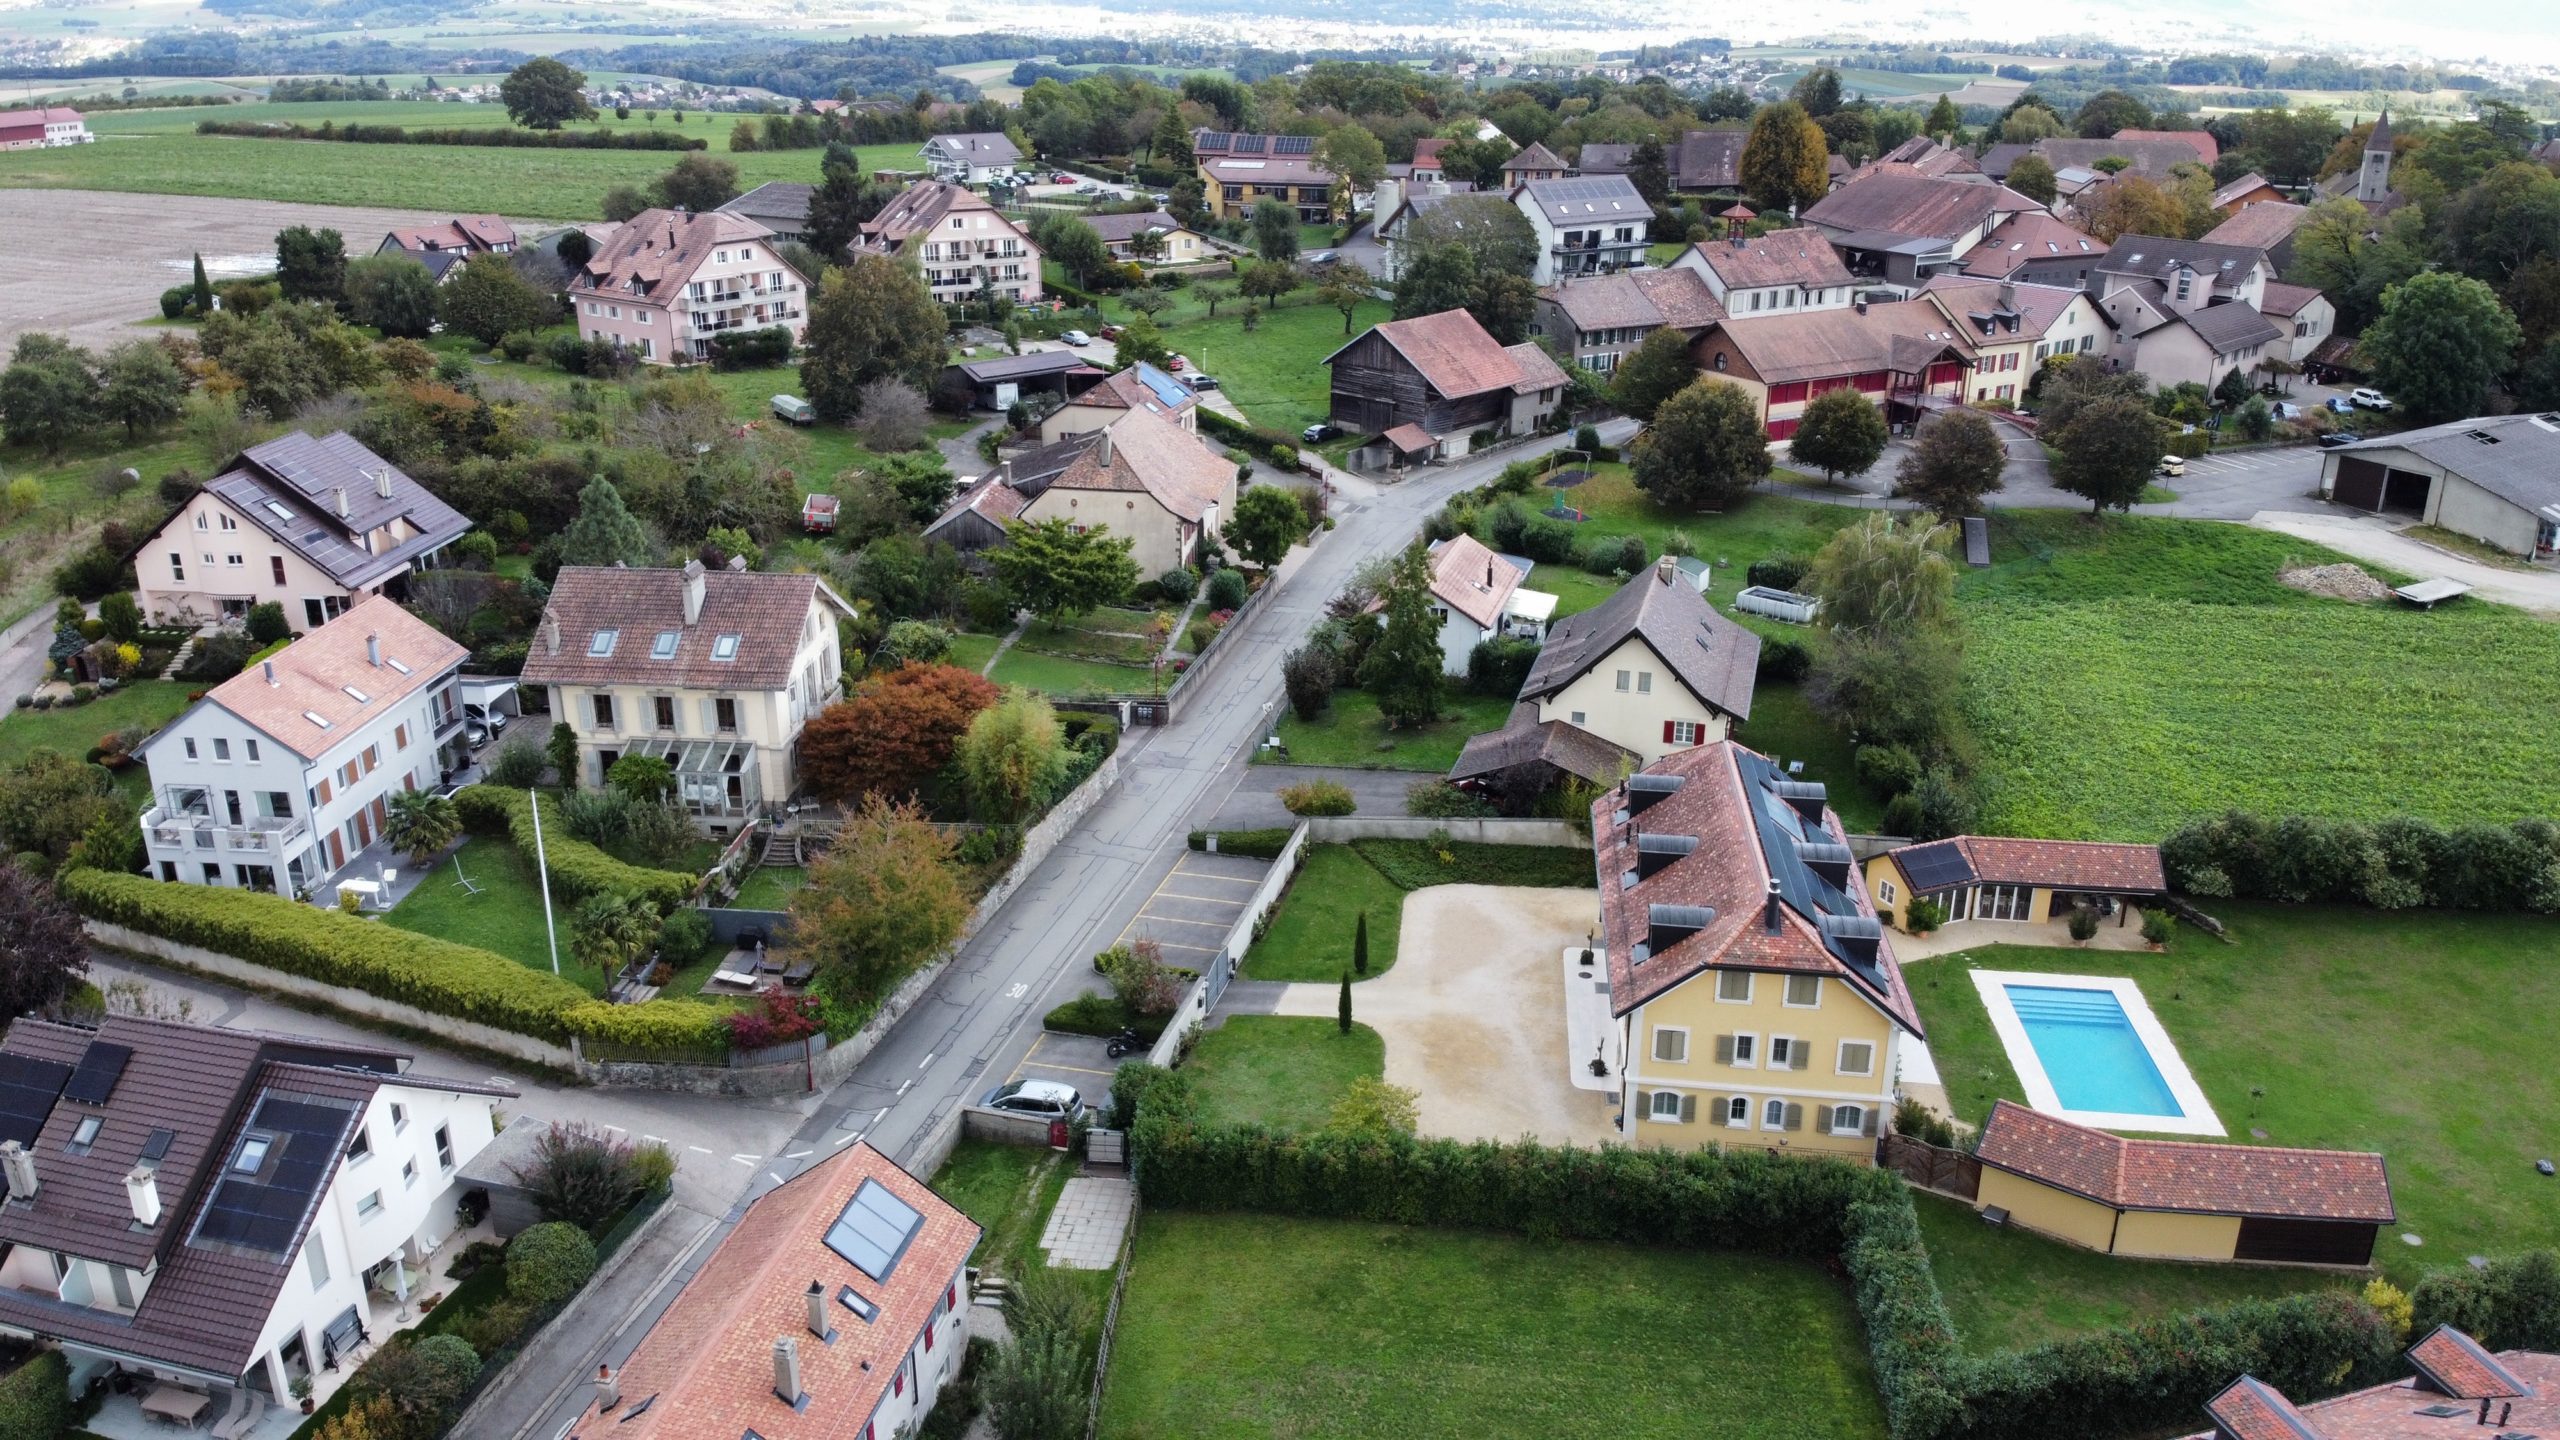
(266, 835)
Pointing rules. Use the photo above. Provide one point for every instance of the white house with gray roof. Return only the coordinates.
(313, 525)
(1586, 224)
(2186, 310)
(2495, 479)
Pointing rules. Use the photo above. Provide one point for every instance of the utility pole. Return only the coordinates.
(542, 869)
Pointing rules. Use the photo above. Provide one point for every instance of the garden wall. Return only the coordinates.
(1553, 834)
(1191, 682)
(1203, 995)
(1000, 1128)
(727, 922)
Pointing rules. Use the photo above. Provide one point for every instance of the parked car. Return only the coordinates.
(1318, 433)
(1202, 382)
(1075, 337)
(2173, 465)
(1042, 1099)
(481, 716)
(795, 410)
(1161, 199)
(1177, 364)
(1108, 331)
(2285, 410)
(2336, 438)
(2369, 399)
(2338, 406)
(1062, 178)
(1088, 188)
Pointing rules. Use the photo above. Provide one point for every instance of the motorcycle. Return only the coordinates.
(1127, 1042)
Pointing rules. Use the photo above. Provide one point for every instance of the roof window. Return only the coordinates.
(725, 648)
(253, 1154)
(396, 665)
(846, 1297)
(874, 1230)
(664, 647)
(602, 642)
(316, 718)
(85, 1136)
(277, 509)
(357, 695)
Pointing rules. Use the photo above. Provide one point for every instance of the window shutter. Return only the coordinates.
(1724, 1049)
(1801, 1054)
(710, 716)
(1688, 1108)
(1644, 1104)
(1794, 1117)
(1869, 1129)
(1666, 730)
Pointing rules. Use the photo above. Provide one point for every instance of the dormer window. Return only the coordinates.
(664, 647)
(601, 643)
(725, 647)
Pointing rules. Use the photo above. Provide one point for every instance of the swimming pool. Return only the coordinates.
(2088, 1048)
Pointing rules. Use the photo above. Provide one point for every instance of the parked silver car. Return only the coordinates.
(1041, 1099)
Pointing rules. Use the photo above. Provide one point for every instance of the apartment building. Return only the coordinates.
(282, 776)
(1239, 171)
(963, 245)
(1586, 225)
(668, 283)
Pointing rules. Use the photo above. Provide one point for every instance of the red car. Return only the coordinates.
(1109, 332)
(1062, 178)
(1177, 363)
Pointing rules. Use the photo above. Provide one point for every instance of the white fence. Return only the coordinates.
(1203, 995)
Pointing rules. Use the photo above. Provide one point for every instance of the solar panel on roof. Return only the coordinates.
(156, 1148)
(874, 1230)
(1293, 145)
(1934, 867)
(262, 1208)
(101, 1066)
(28, 1088)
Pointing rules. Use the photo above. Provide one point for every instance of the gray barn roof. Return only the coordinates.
(2514, 457)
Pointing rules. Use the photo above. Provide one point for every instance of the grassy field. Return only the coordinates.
(1058, 675)
(972, 652)
(1275, 373)
(770, 887)
(1008, 1190)
(2340, 1028)
(2009, 1289)
(2124, 678)
(1284, 1071)
(505, 917)
(158, 151)
(1352, 1331)
(1351, 732)
(1309, 937)
(141, 705)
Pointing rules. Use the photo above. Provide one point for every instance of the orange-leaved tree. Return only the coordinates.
(896, 731)
(883, 901)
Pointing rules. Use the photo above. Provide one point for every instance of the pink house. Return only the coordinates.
(964, 245)
(669, 282)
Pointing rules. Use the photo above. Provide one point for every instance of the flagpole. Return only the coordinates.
(542, 868)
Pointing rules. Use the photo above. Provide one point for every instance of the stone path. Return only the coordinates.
(1084, 1230)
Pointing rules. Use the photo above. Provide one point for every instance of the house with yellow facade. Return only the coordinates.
(1239, 171)
(1985, 877)
(1758, 998)
(2181, 1199)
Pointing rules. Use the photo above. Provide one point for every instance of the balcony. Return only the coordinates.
(260, 835)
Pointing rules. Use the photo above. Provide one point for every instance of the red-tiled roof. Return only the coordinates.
(709, 1358)
(767, 613)
(656, 252)
(2207, 148)
(1150, 452)
(312, 676)
(1471, 579)
(2185, 1176)
(1410, 439)
(1538, 369)
(2057, 864)
(2026, 237)
(2454, 1363)
(2286, 300)
(1453, 353)
(2397, 1411)
(2251, 1409)
(1426, 152)
(1801, 256)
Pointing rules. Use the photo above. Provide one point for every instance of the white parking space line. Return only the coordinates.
(1211, 899)
(1203, 924)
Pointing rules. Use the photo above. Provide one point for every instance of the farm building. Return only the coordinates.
(2495, 479)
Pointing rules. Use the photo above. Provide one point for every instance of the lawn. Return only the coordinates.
(1275, 373)
(1284, 1071)
(1309, 937)
(2010, 1289)
(1351, 732)
(505, 917)
(770, 887)
(1783, 726)
(142, 705)
(972, 652)
(2340, 1028)
(1258, 1325)
(1110, 634)
(2125, 677)
(1057, 675)
(519, 183)
(1008, 1190)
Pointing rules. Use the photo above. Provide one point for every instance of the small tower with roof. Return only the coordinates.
(2373, 182)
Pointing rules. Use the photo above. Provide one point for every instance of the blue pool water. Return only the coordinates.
(2090, 1051)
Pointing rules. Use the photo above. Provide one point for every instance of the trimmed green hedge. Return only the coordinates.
(35, 1398)
(1252, 844)
(2145, 1377)
(578, 869)
(421, 970)
(1278, 450)
(2511, 1304)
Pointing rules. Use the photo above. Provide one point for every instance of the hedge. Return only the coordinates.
(1252, 844)
(334, 948)
(2513, 1303)
(495, 136)
(2145, 1377)
(657, 1025)
(2390, 864)
(35, 1398)
(1279, 450)
(578, 869)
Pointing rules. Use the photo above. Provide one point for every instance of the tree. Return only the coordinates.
(1403, 669)
(883, 901)
(1342, 1008)
(648, 779)
(605, 532)
(1147, 302)
(1049, 569)
(1275, 231)
(1957, 460)
(1704, 450)
(871, 317)
(1371, 1106)
(1817, 91)
(490, 299)
(1433, 281)
(609, 930)
(2439, 342)
(121, 614)
(621, 202)
(2027, 124)
(543, 93)
(1786, 162)
(836, 207)
(2032, 176)
(894, 733)
(1840, 433)
(202, 303)
(1344, 287)
(1886, 575)
(49, 802)
(2131, 205)
(392, 293)
(2232, 390)
(2109, 111)
(311, 264)
(1077, 247)
(1944, 119)
(1011, 758)
(1141, 343)
(1170, 142)
(1268, 520)
(1504, 305)
(49, 392)
(1493, 232)
(894, 418)
(141, 386)
(1353, 153)
(699, 183)
(1649, 170)
(44, 949)
(1038, 1386)
(1360, 944)
(1658, 369)
(420, 824)
(2107, 453)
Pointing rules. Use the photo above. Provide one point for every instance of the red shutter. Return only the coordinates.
(1782, 429)
(1666, 731)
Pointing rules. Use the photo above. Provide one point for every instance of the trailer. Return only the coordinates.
(1778, 604)
(818, 514)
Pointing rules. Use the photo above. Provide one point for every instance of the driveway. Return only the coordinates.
(2380, 541)
(1256, 801)
(1473, 1018)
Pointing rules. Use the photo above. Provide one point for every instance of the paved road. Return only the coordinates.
(981, 1020)
(2233, 486)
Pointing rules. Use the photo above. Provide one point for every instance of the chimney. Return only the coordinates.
(1665, 568)
(1102, 450)
(1004, 474)
(373, 651)
(693, 588)
(1740, 242)
(786, 1372)
(1862, 304)
(550, 633)
(144, 1192)
(1769, 910)
(818, 1311)
(342, 502)
(1488, 574)
(270, 667)
(18, 1165)
(382, 482)
(608, 1389)
(2008, 294)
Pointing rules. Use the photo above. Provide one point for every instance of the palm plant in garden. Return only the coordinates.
(609, 931)
(420, 824)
